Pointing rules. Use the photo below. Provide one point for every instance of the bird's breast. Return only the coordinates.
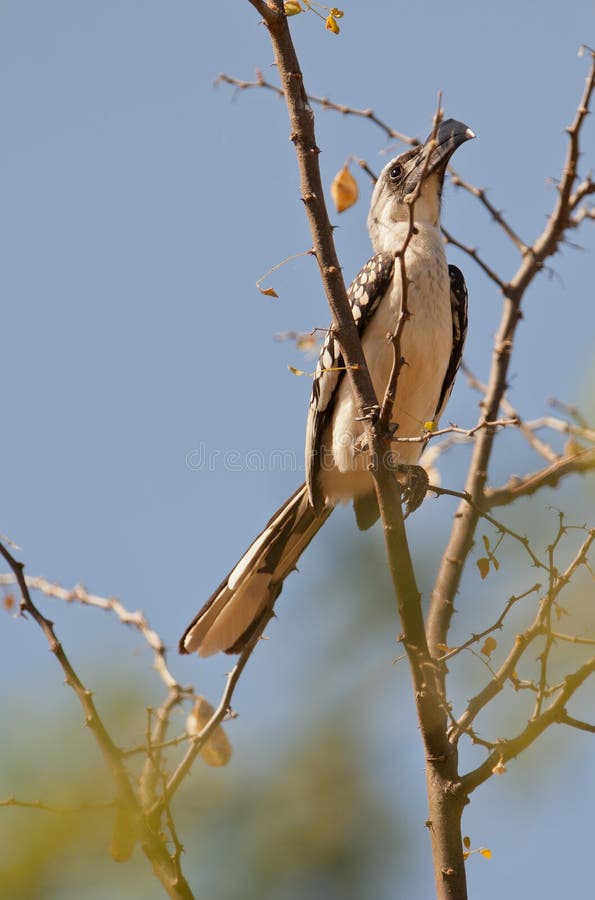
(426, 346)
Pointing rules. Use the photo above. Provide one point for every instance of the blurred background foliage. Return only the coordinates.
(324, 795)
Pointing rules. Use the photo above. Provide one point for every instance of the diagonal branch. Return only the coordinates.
(472, 252)
(481, 195)
(549, 476)
(109, 751)
(555, 713)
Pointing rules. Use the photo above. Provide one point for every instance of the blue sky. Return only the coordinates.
(139, 206)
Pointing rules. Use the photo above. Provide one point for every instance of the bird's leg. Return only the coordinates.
(415, 482)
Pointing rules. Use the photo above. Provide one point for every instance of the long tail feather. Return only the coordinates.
(231, 616)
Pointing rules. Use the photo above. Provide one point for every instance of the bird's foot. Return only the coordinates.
(415, 482)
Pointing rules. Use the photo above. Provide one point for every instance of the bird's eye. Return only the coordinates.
(396, 172)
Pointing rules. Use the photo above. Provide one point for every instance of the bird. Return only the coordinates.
(337, 461)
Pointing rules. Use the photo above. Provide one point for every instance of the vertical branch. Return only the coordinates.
(445, 804)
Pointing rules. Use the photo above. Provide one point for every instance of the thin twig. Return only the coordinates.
(512, 747)
(222, 710)
(137, 620)
(497, 626)
(472, 252)
(60, 810)
(370, 115)
(481, 195)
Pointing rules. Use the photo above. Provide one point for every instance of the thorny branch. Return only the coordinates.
(369, 114)
(496, 214)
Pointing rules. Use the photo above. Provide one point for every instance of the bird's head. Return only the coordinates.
(401, 177)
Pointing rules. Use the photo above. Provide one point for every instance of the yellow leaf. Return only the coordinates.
(483, 565)
(489, 646)
(295, 371)
(466, 842)
(268, 292)
(331, 25)
(430, 426)
(485, 852)
(344, 190)
(466, 855)
(444, 648)
(292, 7)
(337, 13)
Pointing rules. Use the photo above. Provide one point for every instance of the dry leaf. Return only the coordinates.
(8, 602)
(499, 768)
(217, 750)
(268, 292)
(489, 646)
(124, 835)
(466, 842)
(344, 190)
(331, 25)
(483, 565)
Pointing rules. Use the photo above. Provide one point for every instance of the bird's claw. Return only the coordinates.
(415, 482)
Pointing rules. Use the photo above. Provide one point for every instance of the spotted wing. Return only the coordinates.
(458, 306)
(364, 294)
